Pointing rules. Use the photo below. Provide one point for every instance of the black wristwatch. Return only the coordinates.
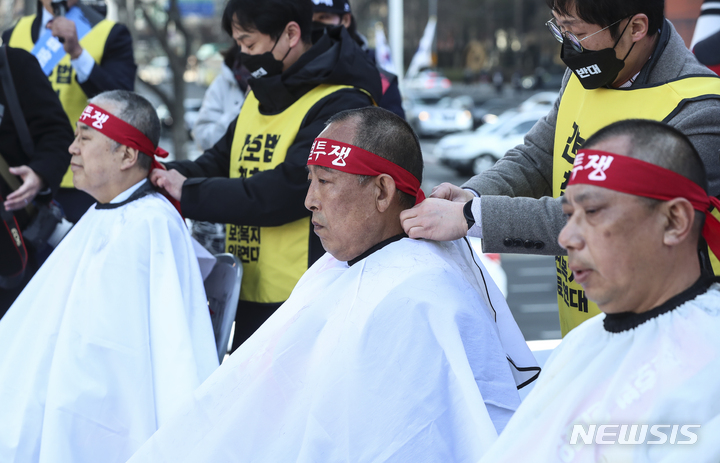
(467, 212)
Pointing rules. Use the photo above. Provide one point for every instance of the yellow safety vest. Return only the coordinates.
(581, 114)
(62, 78)
(274, 258)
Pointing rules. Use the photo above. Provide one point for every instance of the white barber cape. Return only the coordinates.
(397, 358)
(110, 336)
(664, 372)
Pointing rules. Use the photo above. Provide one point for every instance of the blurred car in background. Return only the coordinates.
(156, 72)
(432, 116)
(476, 152)
(487, 112)
(540, 101)
(427, 83)
(543, 79)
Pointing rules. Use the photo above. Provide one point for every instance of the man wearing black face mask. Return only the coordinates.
(625, 61)
(255, 177)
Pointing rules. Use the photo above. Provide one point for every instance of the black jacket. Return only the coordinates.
(117, 68)
(277, 196)
(49, 126)
(391, 99)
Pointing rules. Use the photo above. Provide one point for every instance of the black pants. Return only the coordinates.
(249, 317)
(35, 260)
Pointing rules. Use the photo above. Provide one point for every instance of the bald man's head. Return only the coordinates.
(656, 143)
(387, 135)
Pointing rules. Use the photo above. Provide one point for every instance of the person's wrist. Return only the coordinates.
(76, 52)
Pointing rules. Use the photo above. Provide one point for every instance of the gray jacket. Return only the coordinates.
(519, 214)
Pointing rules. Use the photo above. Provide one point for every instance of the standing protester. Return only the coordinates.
(38, 172)
(82, 54)
(625, 60)
(222, 101)
(255, 178)
(220, 108)
(644, 372)
(338, 13)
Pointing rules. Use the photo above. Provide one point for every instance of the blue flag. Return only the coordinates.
(49, 51)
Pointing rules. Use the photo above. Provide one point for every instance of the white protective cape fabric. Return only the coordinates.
(111, 334)
(394, 359)
(663, 372)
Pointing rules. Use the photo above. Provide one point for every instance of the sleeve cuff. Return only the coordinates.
(83, 66)
(477, 195)
(476, 229)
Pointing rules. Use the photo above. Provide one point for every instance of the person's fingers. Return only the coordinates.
(20, 170)
(24, 192)
(415, 233)
(409, 213)
(451, 192)
(157, 176)
(442, 191)
(416, 227)
(15, 204)
(413, 229)
(30, 186)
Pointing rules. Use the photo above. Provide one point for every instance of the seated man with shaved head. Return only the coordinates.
(113, 332)
(388, 349)
(639, 382)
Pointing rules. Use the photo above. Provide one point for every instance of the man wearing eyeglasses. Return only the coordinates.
(625, 61)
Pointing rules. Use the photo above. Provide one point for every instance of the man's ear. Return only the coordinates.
(639, 26)
(129, 157)
(386, 192)
(346, 20)
(680, 217)
(294, 33)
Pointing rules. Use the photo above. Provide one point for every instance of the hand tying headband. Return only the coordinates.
(640, 178)
(353, 160)
(120, 131)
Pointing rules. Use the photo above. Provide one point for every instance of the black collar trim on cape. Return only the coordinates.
(377, 247)
(625, 321)
(144, 190)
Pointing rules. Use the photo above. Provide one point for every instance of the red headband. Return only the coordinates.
(640, 178)
(120, 131)
(353, 160)
(117, 129)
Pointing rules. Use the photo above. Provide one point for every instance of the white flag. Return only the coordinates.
(708, 23)
(382, 50)
(423, 55)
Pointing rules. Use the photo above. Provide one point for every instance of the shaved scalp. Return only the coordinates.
(387, 135)
(660, 144)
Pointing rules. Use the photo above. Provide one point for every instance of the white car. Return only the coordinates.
(427, 83)
(432, 116)
(476, 152)
(540, 101)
